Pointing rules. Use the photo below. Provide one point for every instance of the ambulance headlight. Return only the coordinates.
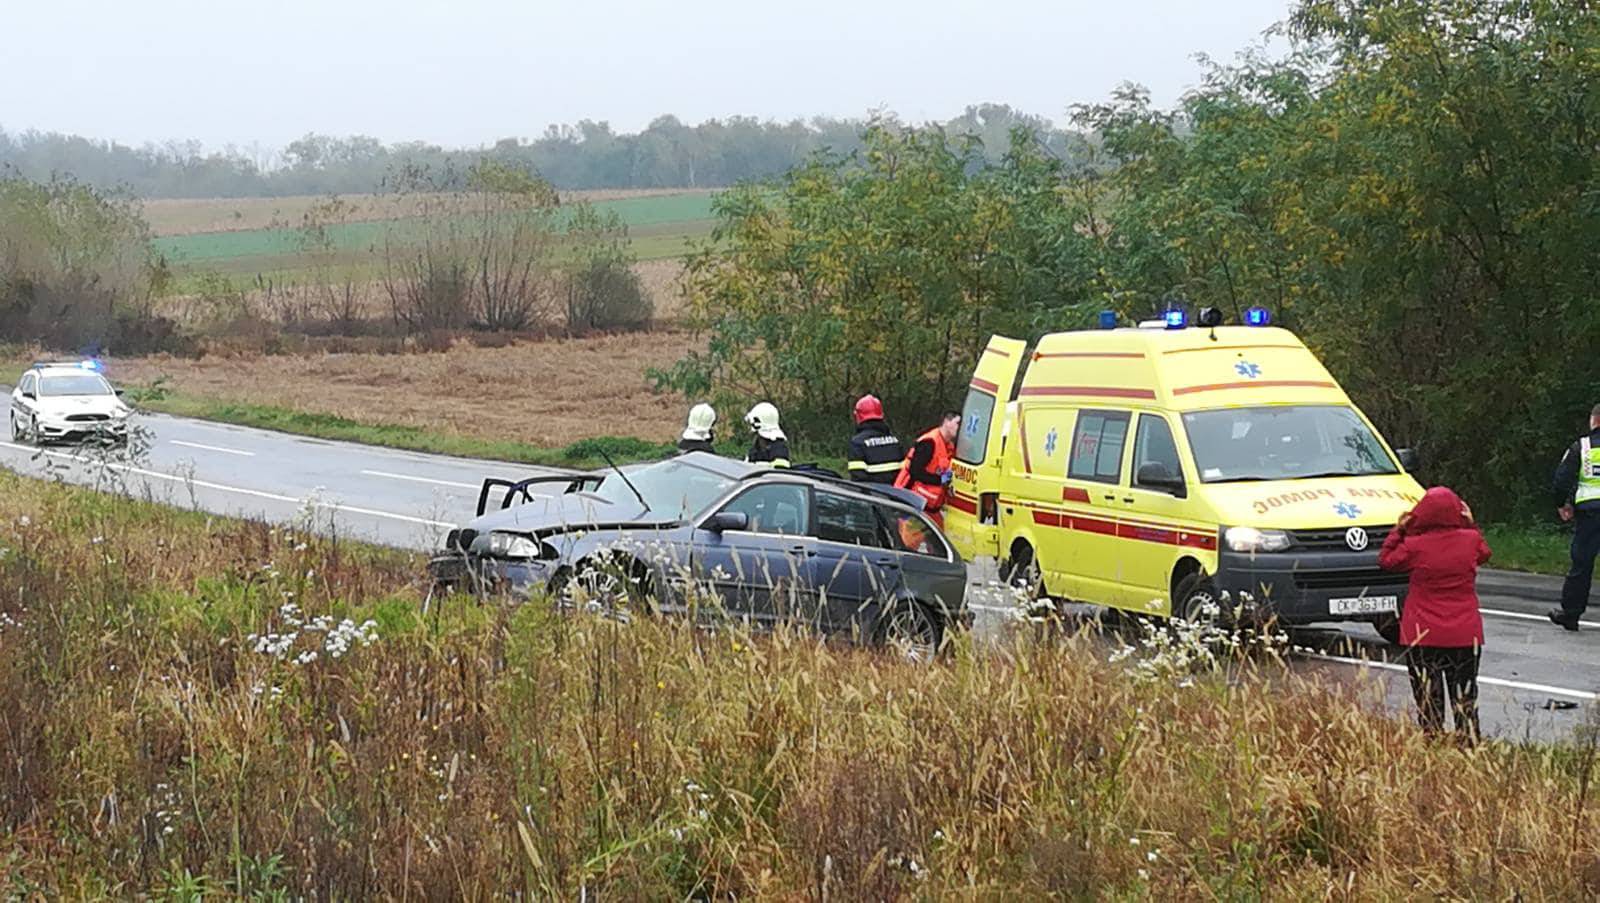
(1250, 539)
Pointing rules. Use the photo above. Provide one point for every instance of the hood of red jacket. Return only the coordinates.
(1440, 509)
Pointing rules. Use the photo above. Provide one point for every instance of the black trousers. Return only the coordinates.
(1445, 675)
(1585, 546)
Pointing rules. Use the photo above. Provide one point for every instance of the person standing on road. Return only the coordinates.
(770, 446)
(1439, 545)
(1577, 486)
(875, 453)
(926, 470)
(697, 432)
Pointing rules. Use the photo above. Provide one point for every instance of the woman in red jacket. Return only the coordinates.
(1438, 544)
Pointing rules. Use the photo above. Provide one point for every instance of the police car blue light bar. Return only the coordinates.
(1176, 319)
(89, 365)
(1257, 316)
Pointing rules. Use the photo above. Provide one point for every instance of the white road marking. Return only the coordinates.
(1524, 616)
(401, 476)
(219, 487)
(215, 448)
(1490, 681)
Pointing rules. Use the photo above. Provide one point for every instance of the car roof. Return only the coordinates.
(744, 471)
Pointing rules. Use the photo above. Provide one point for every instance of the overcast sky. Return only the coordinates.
(466, 72)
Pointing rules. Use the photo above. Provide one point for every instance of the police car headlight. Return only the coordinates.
(510, 545)
(1250, 539)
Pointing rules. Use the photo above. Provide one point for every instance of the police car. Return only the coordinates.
(67, 401)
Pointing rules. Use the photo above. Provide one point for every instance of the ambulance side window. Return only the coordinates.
(1153, 448)
(972, 443)
(1097, 446)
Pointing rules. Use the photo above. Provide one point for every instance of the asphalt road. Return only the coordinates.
(1530, 670)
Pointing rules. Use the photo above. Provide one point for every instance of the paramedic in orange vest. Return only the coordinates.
(927, 469)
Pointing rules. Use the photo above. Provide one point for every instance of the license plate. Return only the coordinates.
(1363, 605)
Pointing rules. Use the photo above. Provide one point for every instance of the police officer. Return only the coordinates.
(875, 454)
(1577, 486)
(770, 445)
(697, 432)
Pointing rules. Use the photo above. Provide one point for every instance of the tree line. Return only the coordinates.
(589, 155)
(1410, 187)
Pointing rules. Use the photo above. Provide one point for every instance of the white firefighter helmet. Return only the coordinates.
(763, 420)
(702, 417)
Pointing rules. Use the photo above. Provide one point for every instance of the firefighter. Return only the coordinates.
(697, 433)
(770, 445)
(1577, 486)
(927, 468)
(875, 453)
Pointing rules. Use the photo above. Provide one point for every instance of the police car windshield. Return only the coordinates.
(672, 489)
(73, 384)
(1284, 442)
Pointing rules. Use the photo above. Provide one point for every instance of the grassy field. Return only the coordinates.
(660, 226)
(191, 216)
(546, 394)
(265, 715)
(1542, 549)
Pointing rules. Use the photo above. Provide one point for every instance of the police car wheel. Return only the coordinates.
(16, 429)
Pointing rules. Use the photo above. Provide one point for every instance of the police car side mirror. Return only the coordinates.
(1158, 477)
(30, 395)
(1409, 460)
(727, 520)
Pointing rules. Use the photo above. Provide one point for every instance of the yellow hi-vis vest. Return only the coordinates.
(1588, 473)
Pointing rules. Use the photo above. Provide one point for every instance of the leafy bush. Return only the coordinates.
(603, 292)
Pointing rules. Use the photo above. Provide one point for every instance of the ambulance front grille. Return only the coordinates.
(1333, 539)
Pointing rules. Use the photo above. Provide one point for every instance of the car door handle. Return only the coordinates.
(1127, 500)
(802, 550)
(887, 562)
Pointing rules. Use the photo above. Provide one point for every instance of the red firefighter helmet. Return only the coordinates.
(868, 407)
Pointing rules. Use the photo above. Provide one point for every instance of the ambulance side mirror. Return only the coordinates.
(1409, 460)
(1158, 477)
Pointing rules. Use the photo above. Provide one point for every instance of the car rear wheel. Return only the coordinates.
(913, 633)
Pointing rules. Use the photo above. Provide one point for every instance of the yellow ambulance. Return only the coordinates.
(1169, 466)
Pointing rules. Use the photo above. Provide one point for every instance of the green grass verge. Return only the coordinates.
(584, 454)
(1537, 549)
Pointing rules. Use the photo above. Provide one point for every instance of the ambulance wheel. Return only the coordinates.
(1198, 602)
(1021, 571)
(1388, 627)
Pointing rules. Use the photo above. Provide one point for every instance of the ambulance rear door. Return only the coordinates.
(972, 515)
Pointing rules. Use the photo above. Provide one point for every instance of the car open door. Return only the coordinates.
(972, 513)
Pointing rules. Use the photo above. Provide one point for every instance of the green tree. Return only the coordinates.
(880, 271)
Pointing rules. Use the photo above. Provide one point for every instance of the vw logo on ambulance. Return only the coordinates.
(1356, 539)
(1174, 437)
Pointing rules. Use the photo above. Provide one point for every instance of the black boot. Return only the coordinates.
(1560, 618)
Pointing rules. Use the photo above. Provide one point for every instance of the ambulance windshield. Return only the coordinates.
(1284, 442)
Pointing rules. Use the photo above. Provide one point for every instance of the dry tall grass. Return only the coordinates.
(190, 704)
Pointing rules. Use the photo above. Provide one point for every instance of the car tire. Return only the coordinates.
(616, 590)
(1020, 571)
(912, 630)
(1197, 601)
(16, 429)
(1388, 627)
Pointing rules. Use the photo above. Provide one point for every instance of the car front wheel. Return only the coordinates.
(913, 632)
(18, 434)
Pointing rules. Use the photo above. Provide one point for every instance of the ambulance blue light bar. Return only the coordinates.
(1257, 316)
(1108, 319)
(1176, 319)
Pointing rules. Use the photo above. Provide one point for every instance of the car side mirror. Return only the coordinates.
(30, 396)
(1409, 459)
(119, 392)
(1157, 476)
(728, 520)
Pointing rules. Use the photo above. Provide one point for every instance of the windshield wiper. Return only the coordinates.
(1252, 478)
(636, 493)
